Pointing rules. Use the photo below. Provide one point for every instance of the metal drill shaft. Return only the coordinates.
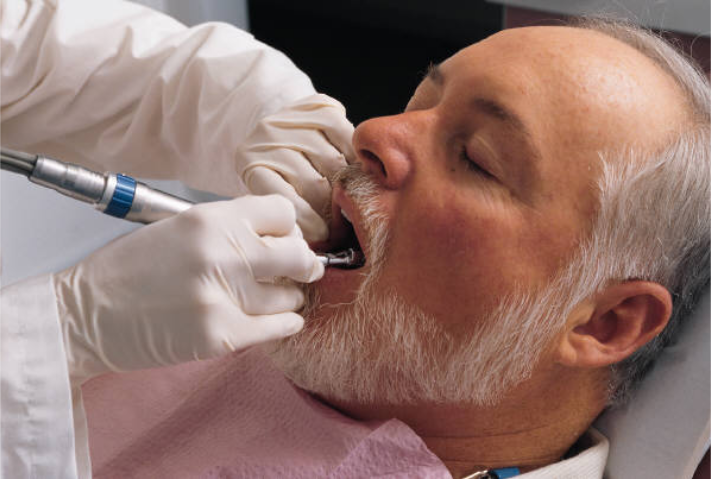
(349, 258)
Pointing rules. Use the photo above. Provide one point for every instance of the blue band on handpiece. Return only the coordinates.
(122, 198)
(506, 472)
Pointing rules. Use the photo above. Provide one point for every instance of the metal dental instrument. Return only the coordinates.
(349, 258)
(120, 195)
(114, 194)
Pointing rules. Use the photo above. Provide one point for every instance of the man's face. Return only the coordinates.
(486, 182)
(488, 176)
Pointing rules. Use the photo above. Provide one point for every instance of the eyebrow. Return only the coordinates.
(434, 73)
(487, 106)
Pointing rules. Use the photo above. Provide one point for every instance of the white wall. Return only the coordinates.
(41, 230)
(192, 12)
(685, 16)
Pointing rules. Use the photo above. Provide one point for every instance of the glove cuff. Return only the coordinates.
(82, 361)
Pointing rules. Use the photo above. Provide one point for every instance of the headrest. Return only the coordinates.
(665, 429)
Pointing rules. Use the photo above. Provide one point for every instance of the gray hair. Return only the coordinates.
(653, 221)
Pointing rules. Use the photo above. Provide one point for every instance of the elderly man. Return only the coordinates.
(535, 226)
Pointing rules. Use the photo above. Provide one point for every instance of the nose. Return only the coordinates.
(384, 146)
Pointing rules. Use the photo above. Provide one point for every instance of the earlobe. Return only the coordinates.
(615, 323)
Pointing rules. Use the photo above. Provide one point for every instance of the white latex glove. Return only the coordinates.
(294, 153)
(194, 286)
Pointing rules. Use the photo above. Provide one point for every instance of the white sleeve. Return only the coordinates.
(42, 423)
(114, 85)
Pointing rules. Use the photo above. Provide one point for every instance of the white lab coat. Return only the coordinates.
(114, 86)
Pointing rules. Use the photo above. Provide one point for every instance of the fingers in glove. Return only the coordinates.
(253, 330)
(270, 298)
(261, 329)
(323, 113)
(264, 181)
(287, 257)
(315, 147)
(270, 214)
(294, 168)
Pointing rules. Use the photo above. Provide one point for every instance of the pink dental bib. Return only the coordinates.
(238, 417)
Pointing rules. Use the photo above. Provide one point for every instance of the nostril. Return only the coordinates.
(373, 160)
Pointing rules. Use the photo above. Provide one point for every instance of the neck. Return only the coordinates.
(533, 426)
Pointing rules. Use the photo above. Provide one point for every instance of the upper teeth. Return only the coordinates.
(343, 213)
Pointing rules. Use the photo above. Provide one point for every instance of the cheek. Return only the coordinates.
(452, 262)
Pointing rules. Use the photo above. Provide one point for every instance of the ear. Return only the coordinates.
(615, 323)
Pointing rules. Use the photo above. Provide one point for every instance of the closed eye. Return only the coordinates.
(472, 165)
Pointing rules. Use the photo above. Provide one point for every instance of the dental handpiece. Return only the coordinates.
(120, 195)
(114, 194)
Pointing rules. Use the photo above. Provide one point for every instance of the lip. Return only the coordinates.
(341, 201)
(339, 229)
(339, 286)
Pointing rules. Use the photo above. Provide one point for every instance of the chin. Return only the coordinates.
(339, 286)
(380, 349)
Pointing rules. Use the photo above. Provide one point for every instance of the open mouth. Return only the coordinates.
(344, 247)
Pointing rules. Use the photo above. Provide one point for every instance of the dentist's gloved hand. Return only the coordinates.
(294, 153)
(201, 284)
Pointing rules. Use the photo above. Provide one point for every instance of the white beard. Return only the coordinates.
(381, 349)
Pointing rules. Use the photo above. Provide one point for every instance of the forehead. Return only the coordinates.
(587, 90)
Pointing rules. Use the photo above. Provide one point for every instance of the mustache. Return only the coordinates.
(353, 179)
(347, 174)
(364, 190)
